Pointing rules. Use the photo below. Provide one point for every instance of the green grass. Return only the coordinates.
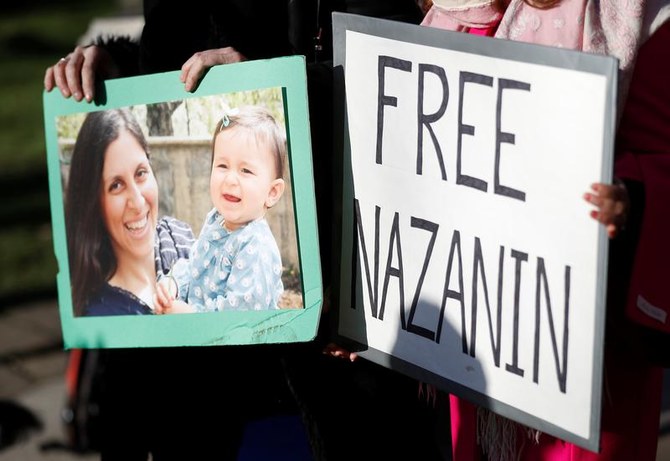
(32, 37)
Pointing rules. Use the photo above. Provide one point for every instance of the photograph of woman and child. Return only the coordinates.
(125, 259)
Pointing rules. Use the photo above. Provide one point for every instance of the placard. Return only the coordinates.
(178, 128)
(476, 265)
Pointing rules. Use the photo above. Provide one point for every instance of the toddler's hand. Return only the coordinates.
(164, 297)
(180, 307)
(612, 203)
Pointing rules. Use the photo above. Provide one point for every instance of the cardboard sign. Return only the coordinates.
(476, 264)
(178, 128)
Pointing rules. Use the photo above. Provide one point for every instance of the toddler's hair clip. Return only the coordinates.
(226, 120)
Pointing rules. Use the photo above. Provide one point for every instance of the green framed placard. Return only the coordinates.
(181, 149)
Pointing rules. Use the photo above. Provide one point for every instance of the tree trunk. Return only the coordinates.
(159, 118)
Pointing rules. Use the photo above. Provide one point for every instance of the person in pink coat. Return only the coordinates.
(635, 209)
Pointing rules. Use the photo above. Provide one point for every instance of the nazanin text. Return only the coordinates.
(462, 288)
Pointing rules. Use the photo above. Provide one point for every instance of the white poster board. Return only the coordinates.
(476, 265)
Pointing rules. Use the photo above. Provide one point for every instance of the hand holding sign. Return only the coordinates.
(612, 204)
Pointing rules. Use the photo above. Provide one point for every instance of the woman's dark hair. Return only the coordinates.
(91, 258)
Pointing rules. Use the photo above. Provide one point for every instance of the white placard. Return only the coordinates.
(478, 265)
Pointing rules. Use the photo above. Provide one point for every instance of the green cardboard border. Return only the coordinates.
(206, 329)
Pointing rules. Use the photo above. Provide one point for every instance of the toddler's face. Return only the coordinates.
(243, 184)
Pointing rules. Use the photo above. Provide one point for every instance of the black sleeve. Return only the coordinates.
(172, 33)
(124, 53)
(259, 29)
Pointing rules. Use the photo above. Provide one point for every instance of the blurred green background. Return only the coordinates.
(33, 35)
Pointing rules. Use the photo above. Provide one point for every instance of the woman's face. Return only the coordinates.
(129, 198)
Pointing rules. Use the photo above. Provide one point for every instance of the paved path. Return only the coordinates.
(32, 364)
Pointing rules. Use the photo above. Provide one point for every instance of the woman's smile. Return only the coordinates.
(139, 225)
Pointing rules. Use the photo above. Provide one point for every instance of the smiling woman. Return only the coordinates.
(111, 214)
(129, 206)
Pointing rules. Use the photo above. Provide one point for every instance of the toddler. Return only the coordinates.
(235, 262)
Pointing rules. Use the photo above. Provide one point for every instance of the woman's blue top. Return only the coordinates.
(111, 300)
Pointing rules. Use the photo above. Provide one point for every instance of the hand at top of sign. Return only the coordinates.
(196, 66)
(193, 39)
(75, 74)
(612, 204)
